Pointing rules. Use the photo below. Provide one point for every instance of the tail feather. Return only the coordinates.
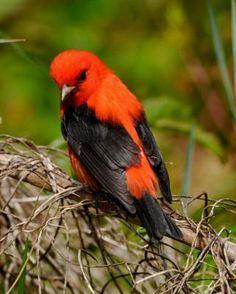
(172, 229)
(155, 221)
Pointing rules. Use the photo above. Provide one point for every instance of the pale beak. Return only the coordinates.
(65, 91)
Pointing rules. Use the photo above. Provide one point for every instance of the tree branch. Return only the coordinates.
(40, 172)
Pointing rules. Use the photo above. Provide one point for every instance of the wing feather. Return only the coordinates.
(105, 150)
(155, 158)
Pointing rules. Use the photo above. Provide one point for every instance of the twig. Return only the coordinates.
(63, 182)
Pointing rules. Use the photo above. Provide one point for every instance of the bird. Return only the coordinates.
(110, 144)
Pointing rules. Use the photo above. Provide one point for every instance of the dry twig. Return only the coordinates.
(61, 221)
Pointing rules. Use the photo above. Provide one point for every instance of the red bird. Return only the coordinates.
(111, 147)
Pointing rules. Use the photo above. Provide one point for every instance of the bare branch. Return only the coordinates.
(40, 172)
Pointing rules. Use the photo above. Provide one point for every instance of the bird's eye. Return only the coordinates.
(82, 76)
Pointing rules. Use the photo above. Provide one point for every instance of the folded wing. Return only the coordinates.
(155, 158)
(105, 150)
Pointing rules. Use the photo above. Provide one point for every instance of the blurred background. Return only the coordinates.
(164, 52)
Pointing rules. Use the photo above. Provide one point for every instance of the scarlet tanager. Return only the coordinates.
(110, 144)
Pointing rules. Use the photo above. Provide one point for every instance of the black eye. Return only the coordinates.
(82, 76)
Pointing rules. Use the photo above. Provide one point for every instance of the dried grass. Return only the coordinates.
(77, 247)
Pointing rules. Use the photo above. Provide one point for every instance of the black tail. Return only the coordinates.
(154, 220)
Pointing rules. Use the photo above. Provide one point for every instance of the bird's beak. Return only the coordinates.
(65, 92)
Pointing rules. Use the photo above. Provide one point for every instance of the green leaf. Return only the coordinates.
(188, 169)
(232, 229)
(206, 139)
(166, 107)
(141, 231)
(21, 283)
(220, 56)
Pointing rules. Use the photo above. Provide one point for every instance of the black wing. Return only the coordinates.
(155, 158)
(105, 150)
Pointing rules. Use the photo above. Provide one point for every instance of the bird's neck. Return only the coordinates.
(114, 103)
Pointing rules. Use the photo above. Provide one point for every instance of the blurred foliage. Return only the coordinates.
(163, 51)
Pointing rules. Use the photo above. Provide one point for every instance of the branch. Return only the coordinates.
(40, 172)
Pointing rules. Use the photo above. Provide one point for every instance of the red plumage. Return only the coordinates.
(102, 120)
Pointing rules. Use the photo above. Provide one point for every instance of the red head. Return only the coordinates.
(78, 72)
(84, 78)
